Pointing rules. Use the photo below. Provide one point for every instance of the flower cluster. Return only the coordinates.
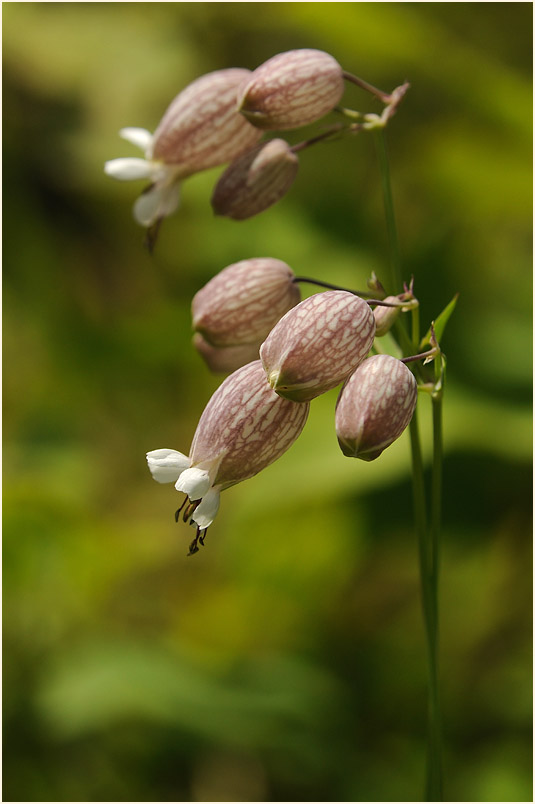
(200, 129)
(249, 320)
(261, 408)
(220, 118)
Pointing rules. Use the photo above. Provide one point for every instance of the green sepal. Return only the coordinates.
(440, 322)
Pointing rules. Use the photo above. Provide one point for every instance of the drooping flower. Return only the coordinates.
(375, 406)
(317, 344)
(291, 90)
(255, 180)
(244, 301)
(201, 129)
(244, 427)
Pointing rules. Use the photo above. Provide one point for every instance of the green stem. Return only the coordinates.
(427, 534)
(416, 328)
(434, 775)
(396, 284)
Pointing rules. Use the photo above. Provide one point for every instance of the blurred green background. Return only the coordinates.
(286, 660)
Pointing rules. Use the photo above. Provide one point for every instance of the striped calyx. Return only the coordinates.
(374, 407)
(291, 90)
(245, 427)
(202, 127)
(317, 344)
(255, 180)
(242, 303)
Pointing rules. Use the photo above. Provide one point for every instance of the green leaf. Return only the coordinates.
(440, 322)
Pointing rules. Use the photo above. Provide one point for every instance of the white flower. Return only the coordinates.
(168, 466)
(162, 197)
(244, 428)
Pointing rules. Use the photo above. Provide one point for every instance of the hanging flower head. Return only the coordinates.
(244, 428)
(244, 301)
(317, 344)
(201, 129)
(292, 89)
(375, 406)
(256, 180)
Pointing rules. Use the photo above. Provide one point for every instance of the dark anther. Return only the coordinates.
(193, 547)
(199, 539)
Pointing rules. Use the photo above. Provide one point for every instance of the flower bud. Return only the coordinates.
(256, 180)
(374, 407)
(224, 359)
(317, 344)
(202, 128)
(385, 316)
(291, 90)
(242, 303)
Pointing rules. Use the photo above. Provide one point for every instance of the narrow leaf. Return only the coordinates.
(440, 322)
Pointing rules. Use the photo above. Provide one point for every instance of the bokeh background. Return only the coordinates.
(286, 660)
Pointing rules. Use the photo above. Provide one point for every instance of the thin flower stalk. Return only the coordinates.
(427, 529)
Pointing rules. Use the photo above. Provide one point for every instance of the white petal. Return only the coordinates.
(158, 202)
(129, 168)
(137, 136)
(146, 208)
(170, 199)
(207, 509)
(166, 465)
(194, 482)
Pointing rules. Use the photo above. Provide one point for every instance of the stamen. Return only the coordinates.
(188, 512)
(177, 512)
(199, 537)
(193, 547)
(152, 232)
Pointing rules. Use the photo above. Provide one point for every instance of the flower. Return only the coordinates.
(255, 180)
(201, 129)
(375, 406)
(317, 344)
(244, 427)
(242, 303)
(292, 89)
(162, 197)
